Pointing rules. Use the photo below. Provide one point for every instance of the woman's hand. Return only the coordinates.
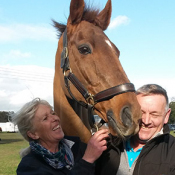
(96, 145)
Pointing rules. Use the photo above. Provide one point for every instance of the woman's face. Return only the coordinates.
(47, 128)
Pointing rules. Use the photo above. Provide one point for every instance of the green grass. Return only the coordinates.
(172, 133)
(10, 146)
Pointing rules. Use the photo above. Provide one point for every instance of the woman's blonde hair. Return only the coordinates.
(23, 118)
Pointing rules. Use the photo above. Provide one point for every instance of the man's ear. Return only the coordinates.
(167, 116)
(33, 136)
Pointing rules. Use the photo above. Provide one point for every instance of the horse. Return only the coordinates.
(89, 77)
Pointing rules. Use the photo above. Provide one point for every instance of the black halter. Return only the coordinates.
(90, 98)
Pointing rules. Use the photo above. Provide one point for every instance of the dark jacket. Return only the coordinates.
(33, 164)
(156, 158)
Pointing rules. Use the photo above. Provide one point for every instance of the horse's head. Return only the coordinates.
(94, 60)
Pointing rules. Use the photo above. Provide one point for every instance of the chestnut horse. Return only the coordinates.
(88, 73)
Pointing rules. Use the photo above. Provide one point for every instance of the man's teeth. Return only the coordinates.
(57, 127)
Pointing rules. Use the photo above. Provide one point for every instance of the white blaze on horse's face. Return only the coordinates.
(108, 42)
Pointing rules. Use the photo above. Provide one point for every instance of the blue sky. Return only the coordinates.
(143, 31)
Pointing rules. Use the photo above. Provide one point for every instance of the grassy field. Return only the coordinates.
(173, 133)
(10, 146)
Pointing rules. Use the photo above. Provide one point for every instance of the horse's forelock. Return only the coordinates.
(90, 14)
(60, 28)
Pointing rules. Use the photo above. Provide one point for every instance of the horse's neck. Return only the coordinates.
(81, 111)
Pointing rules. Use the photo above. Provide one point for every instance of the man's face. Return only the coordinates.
(154, 115)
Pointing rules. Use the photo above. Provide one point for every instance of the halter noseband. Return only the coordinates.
(90, 98)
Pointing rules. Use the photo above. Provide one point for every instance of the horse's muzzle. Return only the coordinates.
(124, 127)
(126, 117)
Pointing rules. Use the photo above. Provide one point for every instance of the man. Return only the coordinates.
(152, 150)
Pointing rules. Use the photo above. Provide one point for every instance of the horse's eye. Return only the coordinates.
(84, 49)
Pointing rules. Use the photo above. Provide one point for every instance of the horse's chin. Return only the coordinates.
(121, 131)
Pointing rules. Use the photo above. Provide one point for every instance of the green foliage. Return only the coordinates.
(172, 115)
(5, 116)
(172, 133)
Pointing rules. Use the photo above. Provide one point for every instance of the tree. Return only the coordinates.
(5, 116)
(172, 115)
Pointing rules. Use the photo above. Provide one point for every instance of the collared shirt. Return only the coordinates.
(127, 165)
(132, 155)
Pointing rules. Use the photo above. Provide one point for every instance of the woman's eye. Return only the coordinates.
(45, 118)
(53, 113)
(84, 49)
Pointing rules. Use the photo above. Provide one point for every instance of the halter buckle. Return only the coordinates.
(90, 99)
(96, 129)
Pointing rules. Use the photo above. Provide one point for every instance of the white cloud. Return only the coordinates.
(18, 32)
(17, 54)
(20, 84)
(119, 20)
(2, 93)
(14, 56)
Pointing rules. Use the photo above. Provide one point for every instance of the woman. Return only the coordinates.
(50, 152)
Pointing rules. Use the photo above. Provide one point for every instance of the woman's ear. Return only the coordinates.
(33, 136)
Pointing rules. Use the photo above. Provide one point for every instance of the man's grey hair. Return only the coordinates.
(150, 89)
(23, 118)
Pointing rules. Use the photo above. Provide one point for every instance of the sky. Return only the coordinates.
(143, 31)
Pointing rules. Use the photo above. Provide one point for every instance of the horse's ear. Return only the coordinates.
(76, 11)
(103, 18)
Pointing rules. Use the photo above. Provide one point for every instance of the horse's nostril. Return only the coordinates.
(126, 117)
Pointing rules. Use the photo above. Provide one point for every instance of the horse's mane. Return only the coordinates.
(89, 14)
